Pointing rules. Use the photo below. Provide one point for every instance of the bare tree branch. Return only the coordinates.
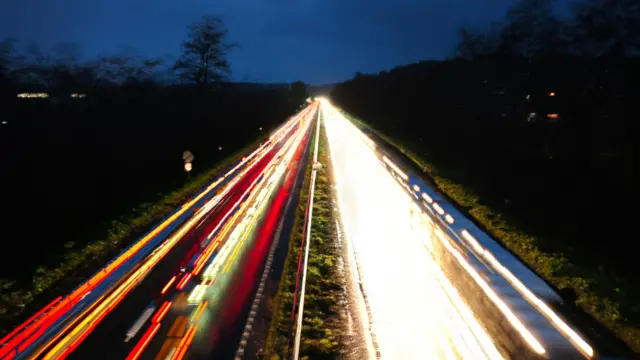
(203, 58)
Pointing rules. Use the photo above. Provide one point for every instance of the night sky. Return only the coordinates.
(316, 41)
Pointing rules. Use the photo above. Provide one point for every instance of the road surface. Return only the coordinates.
(183, 289)
(435, 286)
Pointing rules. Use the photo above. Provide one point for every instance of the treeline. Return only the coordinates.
(535, 114)
(70, 166)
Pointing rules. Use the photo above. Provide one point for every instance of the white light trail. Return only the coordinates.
(417, 313)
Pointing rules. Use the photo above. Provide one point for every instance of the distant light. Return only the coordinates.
(219, 147)
(4, 122)
(553, 116)
(552, 94)
(188, 167)
(33, 95)
(528, 96)
(438, 209)
(260, 129)
(77, 95)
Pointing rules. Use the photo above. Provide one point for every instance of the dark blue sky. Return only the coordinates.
(317, 41)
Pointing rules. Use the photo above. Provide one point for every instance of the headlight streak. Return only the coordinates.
(395, 168)
(585, 348)
(254, 196)
(437, 208)
(443, 309)
(504, 308)
(569, 333)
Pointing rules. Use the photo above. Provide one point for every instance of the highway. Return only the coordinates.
(182, 289)
(434, 284)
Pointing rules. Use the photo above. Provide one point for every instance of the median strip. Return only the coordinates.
(323, 320)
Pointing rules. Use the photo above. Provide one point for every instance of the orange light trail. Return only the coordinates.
(16, 330)
(166, 287)
(144, 341)
(186, 341)
(183, 282)
(162, 312)
(103, 306)
(197, 314)
(97, 278)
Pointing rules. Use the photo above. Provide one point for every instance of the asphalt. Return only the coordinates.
(107, 340)
(228, 300)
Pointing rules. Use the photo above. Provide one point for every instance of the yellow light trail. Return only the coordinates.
(226, 255)
(80, 330)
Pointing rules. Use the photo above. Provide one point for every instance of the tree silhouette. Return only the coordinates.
(121, 69)
(473, 43)
(204, 53)
(607, 27)
(298, 92)
(532, 28)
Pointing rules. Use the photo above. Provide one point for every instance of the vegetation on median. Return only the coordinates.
(18, 297)
(610, 300)
(322, 322)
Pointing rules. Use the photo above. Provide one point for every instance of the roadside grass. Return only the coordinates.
(322, 322)
(609, 299)
(19, 299)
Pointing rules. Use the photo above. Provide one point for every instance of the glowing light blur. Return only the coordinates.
(33, 95)
(355, 171)
(417, 314)
(166, 287)
(236, 230)
(84, 327)
(437, 208)
(504, 308)
(565, 329)
(197, 294)
(395, 168)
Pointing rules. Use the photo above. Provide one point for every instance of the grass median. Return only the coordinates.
(322, 323)
(610, 300)
(18, 299)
